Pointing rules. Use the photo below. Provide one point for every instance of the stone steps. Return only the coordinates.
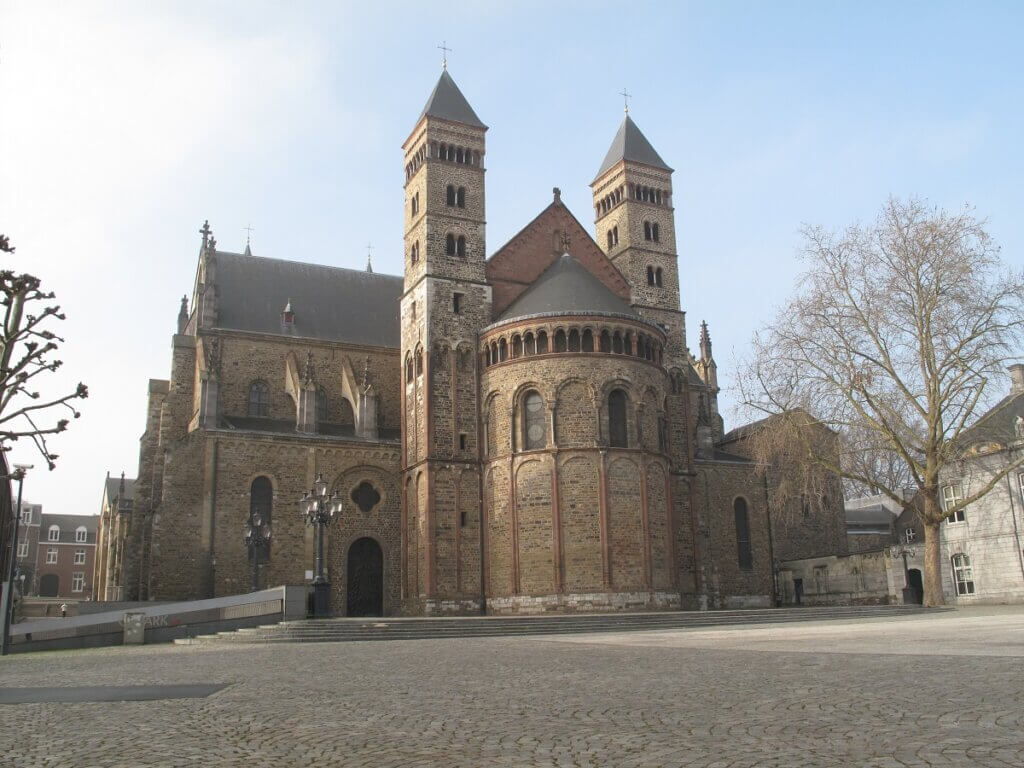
(378, 629)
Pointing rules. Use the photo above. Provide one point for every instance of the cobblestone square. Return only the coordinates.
(927, 690)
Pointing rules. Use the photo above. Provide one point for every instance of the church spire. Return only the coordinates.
(705, 342)
(446, 102)
(630, 145)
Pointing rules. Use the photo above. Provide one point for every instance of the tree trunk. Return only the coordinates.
(933, 595)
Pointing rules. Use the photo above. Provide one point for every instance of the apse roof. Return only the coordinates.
(630, 144)
(330, 303)
(447, 102)
(567, 287)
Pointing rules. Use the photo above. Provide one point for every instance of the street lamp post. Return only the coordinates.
(320, 510)
(904, 550)
(19, 475)
(257, 536)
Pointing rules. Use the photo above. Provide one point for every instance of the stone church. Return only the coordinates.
(521, 433)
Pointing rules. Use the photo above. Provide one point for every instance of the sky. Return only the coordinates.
(124, 125)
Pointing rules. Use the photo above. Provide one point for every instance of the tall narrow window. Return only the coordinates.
(261, 501)
(53, 533)
(657, 275)
(744, 555)
(654, 233)
(647, 230)
(963, 575)
(617, 435)
(615, 235)
(559, 340)
(449, 198)
(650, 275)
(588, 340)
(81, 534)
(408, 369)
(542, 342)
(449, 244)
(415, 204)
(534, 433)
(456, 303)
(259, 398)
(574, 340)
(460, 246)
(321, 405)
(419, 362)
(610, 238)
(460, 197)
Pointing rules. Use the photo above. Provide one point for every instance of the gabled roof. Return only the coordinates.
(996, 425)
(447, 102)
(113, 487)
(567, 287)
(330, 303)
(630, 144)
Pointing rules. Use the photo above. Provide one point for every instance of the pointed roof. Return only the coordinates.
(630, 144)
(447, 103)
(567, 287)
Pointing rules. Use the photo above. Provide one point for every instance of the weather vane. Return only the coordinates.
(445, 50)
(248, 234)
(625, 98)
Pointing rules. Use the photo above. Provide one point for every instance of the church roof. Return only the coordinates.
(996, 425)
(448, 103)
(113, 486)
(630, 144)
(330, 303)
(567, 287)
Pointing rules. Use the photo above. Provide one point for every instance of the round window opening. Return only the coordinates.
(365, 496)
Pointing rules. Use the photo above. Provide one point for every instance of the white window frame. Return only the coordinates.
(53, 533)
(79, 557)
(22, 550)
(963, 574)
(81, 534)
(26, 515)
(51, 555)
(78, 581)
(951, 495)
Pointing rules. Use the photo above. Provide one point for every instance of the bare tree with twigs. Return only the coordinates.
(26, 347)
(897, 340)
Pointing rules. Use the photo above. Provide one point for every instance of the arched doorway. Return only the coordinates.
(49, 585)
(916, 584)
(365, 578)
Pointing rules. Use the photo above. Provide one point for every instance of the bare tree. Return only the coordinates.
(894, 338)
(26, 345)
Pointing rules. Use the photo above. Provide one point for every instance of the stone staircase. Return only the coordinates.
(342, 630)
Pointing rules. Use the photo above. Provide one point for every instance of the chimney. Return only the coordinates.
(1016, 378)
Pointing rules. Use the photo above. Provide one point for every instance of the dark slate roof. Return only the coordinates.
(68, 523)
(630, 144)
(996, 425)
(447, 102)
(567, 287)
(114, 487)
(330, 303)
(876, 514)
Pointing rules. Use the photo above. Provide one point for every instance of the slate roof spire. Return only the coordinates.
(447, 103)
(631, 145)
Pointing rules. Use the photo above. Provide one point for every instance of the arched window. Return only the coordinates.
(647, 230)
(617, 435)
(458, 155)
(502, 350)
(460, 197)
(617, 343)
(650, 275)
(415, 204)
(259, 398)
(529, 344)
(321, 405)
(588, 340)
(615, 235)
(449, 198)
(81, 534)
(574, 340)
(261, 501)
(494, 352)
(449, 244)
(414, 253)
(534, 432)
(657, 273)
(606, 342)
(53, 533)
(744, 555)
(559, 340)
(419, 362)
(517, 346)
(654, 233)
(408, 369)
(460, 246)
(963, 574)
(627, 345)
(542, 342)
(610, 238)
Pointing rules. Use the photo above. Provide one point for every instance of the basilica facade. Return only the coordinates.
(517, 433)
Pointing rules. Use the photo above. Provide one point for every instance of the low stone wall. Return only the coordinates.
(856, 579)
(595, 602)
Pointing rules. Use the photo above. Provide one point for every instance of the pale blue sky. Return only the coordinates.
(126, 124)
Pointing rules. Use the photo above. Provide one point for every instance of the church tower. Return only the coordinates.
(444, 305)
(636, 227)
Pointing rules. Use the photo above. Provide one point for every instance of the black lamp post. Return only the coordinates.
(320, 510)
(257, 536)
(19, 475)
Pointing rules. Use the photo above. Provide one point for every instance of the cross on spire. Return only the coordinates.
(626, 95)
(248, 234)
(205, 231)
(445, 50)
(369, 257)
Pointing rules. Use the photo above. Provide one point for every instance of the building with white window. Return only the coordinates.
(61, 560)
(983, 545)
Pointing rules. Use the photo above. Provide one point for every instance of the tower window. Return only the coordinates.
(457, 303)
(610, 243)
(449, 198)
(744, 554)
(321, 405)
(654, 233)
(414, 253)
(462, 447)
(647, 230)
(534, 433)
(412, 309)
(657, 274)
(588, 340)
(560, 340)
(650, 275)
(449, 244)
(542, 342)
(460, 197)
(617, 436)
(419, 362)
(415, 204)
(259, 398)
(460, 246)
(408, 369)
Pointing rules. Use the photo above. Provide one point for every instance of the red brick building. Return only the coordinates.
(64, 553)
